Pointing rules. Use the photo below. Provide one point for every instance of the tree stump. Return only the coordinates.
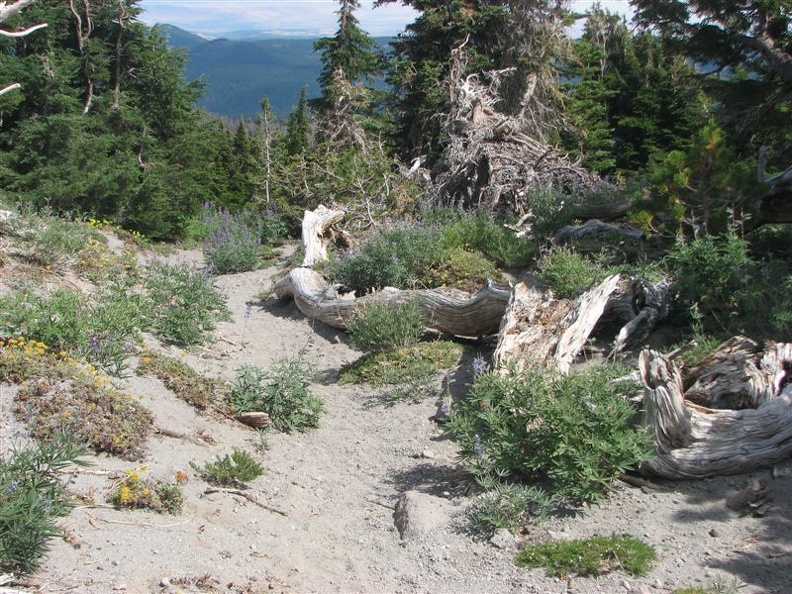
(692, 441)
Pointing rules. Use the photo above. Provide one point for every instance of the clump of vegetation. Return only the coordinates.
(52, 241)
(415, 367)
(480, 233)
(61, 395)
(507, 505)
(32, 497)
(568, 272)
(398, 258)
(578, 431)
(385, 326)
(181, 379)
(184, 303)
(460, 251)
(134, 491)
(282, 391)
(590, 556)
(230, 243)
(88, 409)
(233, 469)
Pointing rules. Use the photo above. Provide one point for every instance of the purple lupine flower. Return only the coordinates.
(478, 447)
(479, 365)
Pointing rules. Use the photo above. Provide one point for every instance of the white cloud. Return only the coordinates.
(214, 17)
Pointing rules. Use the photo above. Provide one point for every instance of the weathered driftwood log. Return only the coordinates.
(691, 441)
(540, 330)
(318, 230)
(447, 311)
(649, 305)
(592, 228)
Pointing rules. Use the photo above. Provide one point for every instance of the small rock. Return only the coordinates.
(164, 582)
(626, 585)
(713, 533)
(503, 539)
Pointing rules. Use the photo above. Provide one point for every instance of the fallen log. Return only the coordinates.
(692, 441)
(447, 311)
(540, 330)
(593, 228)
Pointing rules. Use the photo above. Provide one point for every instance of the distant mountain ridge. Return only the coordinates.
(239, 73)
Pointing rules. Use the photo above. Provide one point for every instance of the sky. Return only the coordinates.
(216, 17)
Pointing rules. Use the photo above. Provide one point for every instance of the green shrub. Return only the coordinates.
(282, 391)
(58, 319)
(384, 326)
(100, 330)
(397, 258)
(235, 469)
(31, 498)
(52, 240)
(507, 505)
(549, 212)
(230, 243)
(184, 303)
(589, 557)
(576, 431)
(494, 241)
(568, 272)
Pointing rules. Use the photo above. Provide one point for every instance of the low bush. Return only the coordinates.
(568, 272)
(578, 432)
(384, 326)
(184, 304)
(32, 497)
(233, 469)
(589, 557)
(88, 409)
(231, 243)
(482, 234)
(399, 258)
(282, 391)
(60, 395)
(507, 505)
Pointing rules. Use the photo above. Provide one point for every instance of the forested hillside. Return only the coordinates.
(237, 73)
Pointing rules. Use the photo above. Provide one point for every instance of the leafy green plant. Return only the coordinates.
(567, 272)
(184, 303)
(714, 274)
(133, 491)
(507, 505)
(181, 379)
(52, 240)
(577, 431)
(230, 243)
(590, 556)
(483, 234)
(397, 258)
(282, 391)
(236, 469)
(383, 326)
(31, 498)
